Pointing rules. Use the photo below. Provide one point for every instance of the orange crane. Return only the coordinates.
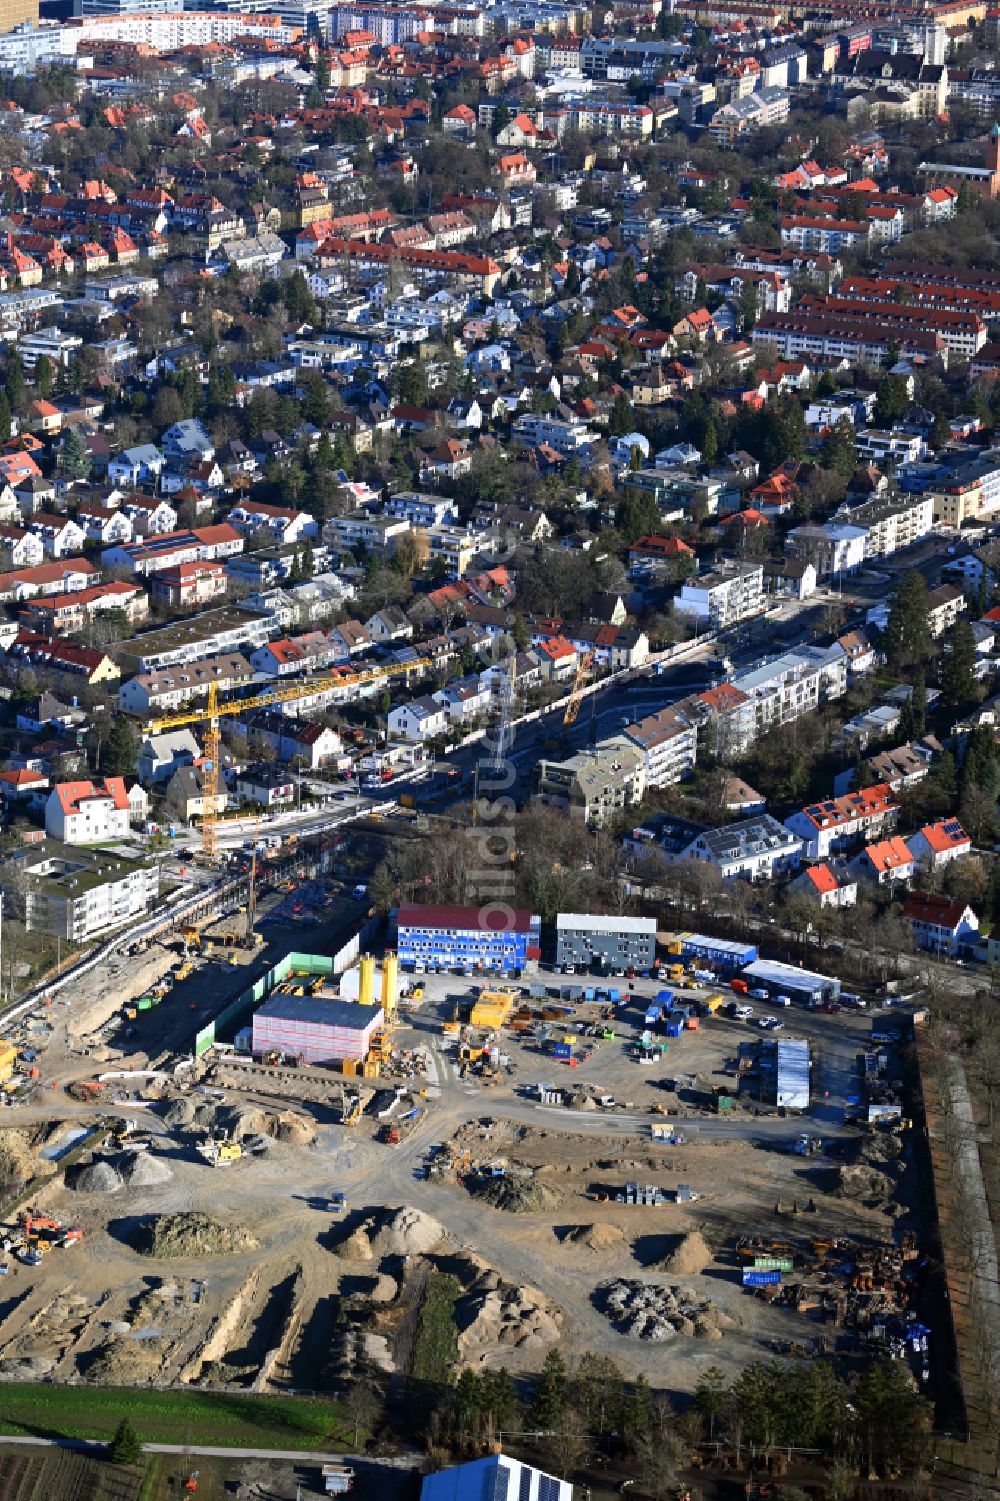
(284, 693)
(576, 696)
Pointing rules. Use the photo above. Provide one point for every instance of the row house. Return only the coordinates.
(864, 341)
(285, 525)
(64, 577)
(840, 821)
(472, 273)
(103, 525)
(71, 612)
(164, 691)
(199, 545)
(55, 655)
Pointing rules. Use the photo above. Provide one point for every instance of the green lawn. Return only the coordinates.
(225, 1419)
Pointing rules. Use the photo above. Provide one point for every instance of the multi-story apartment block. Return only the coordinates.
(668, 741)
(832, 547)
(596, 784)
(893, 523)
(721, 599)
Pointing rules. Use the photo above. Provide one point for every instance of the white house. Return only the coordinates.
(389, 624)
(88, 812)
(421, 719)
(755, 849)
(141, 465)
(940, 923)
(820, 885)
(937, 844)
(464, 700)
(161, 755)
(61, 538)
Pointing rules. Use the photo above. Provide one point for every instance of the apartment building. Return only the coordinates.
(864, 341)
(754, 849)
(170, 549)
(77, 896)
(356, 259)
(594, 785)
(744, 117)
(160, 692)
(721, 599)
(839, 821)
(202, 636)
(789, 686)
(88, 812)
(892, 522)
(832, 547)
(565, 437)
(968, 493)
(357, 529)
(944, 605)
(668, 741)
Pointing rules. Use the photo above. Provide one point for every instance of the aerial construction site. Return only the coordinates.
(251, 1183)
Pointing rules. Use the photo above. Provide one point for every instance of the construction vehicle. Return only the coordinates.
(287, 692)
(220, 1153)
(191, 938)
(191, 1482)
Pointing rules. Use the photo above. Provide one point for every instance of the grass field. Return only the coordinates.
(172, 1417)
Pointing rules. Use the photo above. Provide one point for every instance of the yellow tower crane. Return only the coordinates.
(285, 693)
(576, 696)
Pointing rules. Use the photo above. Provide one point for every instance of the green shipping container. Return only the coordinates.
(144, 1005)
(773, 1263)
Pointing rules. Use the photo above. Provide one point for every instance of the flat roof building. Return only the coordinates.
(723, 953)
(788, 979)
(315, 1029)
(604, 943)
(785, 1067)
(492, 936)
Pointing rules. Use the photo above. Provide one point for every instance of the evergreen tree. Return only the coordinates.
(621, 420)
(892, 400)
(74, 460)
(120, 748)
(44, 377)
(549, 1400)
(838, 451)
(958, 662)
(4, 417)
(14, 383)
(907, 633)
(125, 1448)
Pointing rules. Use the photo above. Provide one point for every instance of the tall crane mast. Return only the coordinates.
(285, 693)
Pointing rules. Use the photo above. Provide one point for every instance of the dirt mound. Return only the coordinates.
(17, 1158)
(596, 1237)
(516, 1193)
(26, 1367)
(98, 1178)
(179, 1113)
(142, 1170)
(190, 1234)
(496, 1315)
(126, 1361)
(295, 1129)
(858, 1181)
(651, 1310)
(689, 1256)
(391, 1232)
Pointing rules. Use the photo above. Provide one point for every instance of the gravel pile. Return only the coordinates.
(143, 1170)
(98, 1178)
(655, 1311)
(597, 1237)
(391, 1232)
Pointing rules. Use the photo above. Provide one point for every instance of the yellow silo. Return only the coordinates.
(390, 985)
(366, 989)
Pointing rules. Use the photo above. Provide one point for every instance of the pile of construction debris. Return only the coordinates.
(652, 1310)
(190, 1234)
(516, 1192)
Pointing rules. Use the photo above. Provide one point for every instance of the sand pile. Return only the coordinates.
(391, 1232)
(143, 1170)
(655, 1311)
(516, 1193)
(496, 1315)
(98, 1178)
(597, 1237)
(689, 1256)
(190, 1234)
(295, 1129)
